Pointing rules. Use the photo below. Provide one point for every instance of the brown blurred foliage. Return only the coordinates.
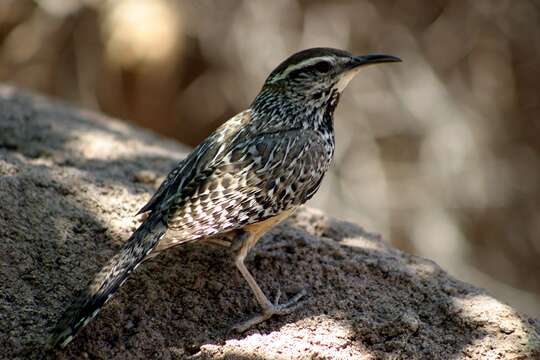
(440, 153)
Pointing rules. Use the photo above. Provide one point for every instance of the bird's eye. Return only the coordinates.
(322, 66)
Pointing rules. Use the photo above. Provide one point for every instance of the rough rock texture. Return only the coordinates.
(70, 182)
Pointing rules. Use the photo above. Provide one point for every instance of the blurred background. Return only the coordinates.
(440, 154)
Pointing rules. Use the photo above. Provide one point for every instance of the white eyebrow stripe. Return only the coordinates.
(303, 64)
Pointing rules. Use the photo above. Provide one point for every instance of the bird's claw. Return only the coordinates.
(271, 310)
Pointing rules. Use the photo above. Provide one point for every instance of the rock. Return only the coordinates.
(70, 182)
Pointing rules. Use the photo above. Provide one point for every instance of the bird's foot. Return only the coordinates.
(270, 310)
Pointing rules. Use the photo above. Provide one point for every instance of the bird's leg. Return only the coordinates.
(218, 242)
(230, 240)
(269, 309)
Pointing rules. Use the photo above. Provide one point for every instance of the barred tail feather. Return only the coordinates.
(107, 281)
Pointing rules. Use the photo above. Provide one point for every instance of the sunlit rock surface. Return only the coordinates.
(70, 183)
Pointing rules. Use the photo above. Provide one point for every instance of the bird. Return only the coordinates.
(247, 176)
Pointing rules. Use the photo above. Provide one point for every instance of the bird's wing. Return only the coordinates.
(202, 157)
(257, 179)
(162, 190)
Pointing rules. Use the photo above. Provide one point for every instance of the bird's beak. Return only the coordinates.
(372, 59)
(353, 67)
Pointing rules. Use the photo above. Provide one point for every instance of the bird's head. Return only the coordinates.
(316, 75)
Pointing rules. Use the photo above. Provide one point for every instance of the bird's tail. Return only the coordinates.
(107, 281)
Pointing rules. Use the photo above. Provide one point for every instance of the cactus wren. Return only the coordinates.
(247, 176)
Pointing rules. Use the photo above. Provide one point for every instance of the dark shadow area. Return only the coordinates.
(54, 237)
(62, 217)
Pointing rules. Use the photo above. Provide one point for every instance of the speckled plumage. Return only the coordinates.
(258, 166)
